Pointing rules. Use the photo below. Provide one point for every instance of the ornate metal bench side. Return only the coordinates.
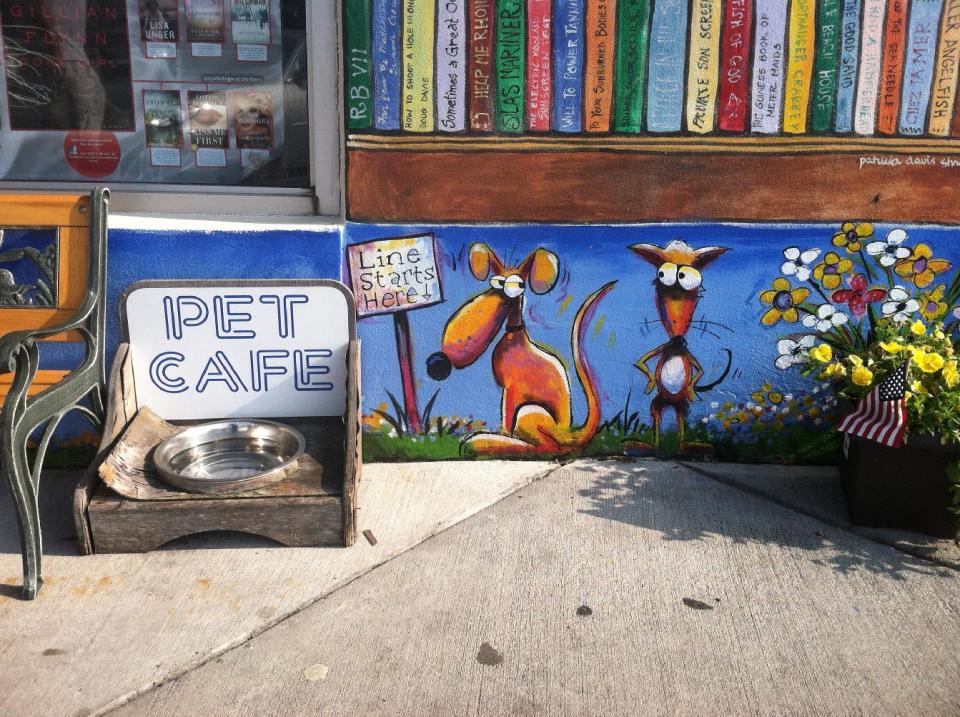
(24, 411)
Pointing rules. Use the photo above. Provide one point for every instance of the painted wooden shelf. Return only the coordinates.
(549, 178)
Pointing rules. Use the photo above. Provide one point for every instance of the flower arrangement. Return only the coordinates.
(861, 310)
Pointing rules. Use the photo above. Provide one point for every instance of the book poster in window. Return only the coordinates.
(205, 27)
(159, 28)
(67, 65)
(253, 124)
(163, 126)
(250, 29)
(208, 128)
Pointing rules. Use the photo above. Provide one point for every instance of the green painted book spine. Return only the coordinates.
(511, 65)
(358, 52)
(630, 71)
(826, 65)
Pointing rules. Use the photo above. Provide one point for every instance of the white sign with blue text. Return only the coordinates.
(232, 351)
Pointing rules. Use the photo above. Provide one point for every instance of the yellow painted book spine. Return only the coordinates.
(418, 47)
(703, 65)
(946, 71)
(800, 54)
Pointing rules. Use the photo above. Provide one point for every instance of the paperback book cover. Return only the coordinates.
(800, 49)
(418, 85)
(510, 51)
(250, 22)
(253, 119)
(946, 70)
(703, 65)
(868, 78)
(630, 60)
(205, 21)
(735, 50)
(162, 118)
(598, 73)
(158, 20)
(481, 68)
(768, 66)
(356, 57)
(849, 60)
(386, 64)
(208, 120)
(539, 71)
(918, 65)
(568, 65)
(668, 50)
(451, 65)
(891, 74)
(825, 65)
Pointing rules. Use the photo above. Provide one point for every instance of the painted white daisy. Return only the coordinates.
(798, 262)
(889, 251)
(956, 312)
(825, 319)
(899, 305)
(793, 352)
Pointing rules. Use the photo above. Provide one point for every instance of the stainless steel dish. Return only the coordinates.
(229, 456)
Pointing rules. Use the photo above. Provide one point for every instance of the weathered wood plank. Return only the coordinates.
(353, 457)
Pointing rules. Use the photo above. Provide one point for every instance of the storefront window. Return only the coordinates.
(201, 92)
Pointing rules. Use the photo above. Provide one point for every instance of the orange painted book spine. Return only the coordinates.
(598, 75)
(891, 74)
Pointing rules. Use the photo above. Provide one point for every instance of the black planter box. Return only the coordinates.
(904, 487)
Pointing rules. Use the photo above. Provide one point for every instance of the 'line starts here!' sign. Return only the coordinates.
(241, 351)
(390, 275)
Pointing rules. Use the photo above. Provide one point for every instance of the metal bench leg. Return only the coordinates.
(14, 464)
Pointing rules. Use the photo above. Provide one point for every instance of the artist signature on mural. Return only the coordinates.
(925, 160)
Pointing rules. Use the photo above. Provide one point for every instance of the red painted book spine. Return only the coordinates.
(539, 72)
(891, 78)
(734, 100)
(955, 128)
(480, 82)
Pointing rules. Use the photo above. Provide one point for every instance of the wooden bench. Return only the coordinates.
(65, 303)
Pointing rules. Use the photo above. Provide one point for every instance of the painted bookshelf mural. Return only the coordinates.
(886, 68)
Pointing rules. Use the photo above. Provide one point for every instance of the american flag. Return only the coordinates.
(881, 415)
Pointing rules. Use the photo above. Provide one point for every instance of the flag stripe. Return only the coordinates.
(881, 415)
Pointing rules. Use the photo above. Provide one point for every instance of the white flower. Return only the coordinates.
(956, 312)
(785, 410)
(793, 352)
(705, 419)
(788, 397)
(825, 319)
(715, 404)
(798, 263)
(899, 306)
(889, 251)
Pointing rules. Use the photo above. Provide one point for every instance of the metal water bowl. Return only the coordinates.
(229, 456)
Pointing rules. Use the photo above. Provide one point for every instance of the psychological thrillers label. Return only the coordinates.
(703, 66)
(734, 65)
(451, 65)
(480, 76)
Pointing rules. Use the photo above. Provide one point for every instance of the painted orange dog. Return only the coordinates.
(536, 415)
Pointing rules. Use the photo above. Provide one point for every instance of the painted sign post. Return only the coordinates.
(394, 276)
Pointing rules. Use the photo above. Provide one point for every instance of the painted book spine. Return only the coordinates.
(358, 58)
(918, 66)
(800, 54)
(568, 46)
(849, 59)
(668, 49)
(955, 127)
(891, 74)
(481, 66)
(947, 70)
(824, 93)
(598, 69)
(386, 64)
(630, 71)
(868, 79)
(418, 76)
(451, 65)
(539, 71)
(703, 65)
(735, 65)
(511, 64)
(768, 66)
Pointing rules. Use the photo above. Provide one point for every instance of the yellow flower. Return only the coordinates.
(920, 267)
(766, 393)
(782, 300)
(834, 370)
(831, 270)
(917, 328)
(932, 306)
(822, 353)
(855, 360)
(929, 363)
(862, 376)
(892, 347)
(951, 375)
(918, 389)
(851, 235)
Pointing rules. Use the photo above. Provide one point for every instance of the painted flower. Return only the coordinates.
(767, 394)
(822, 353)
(858, 295)
(831, 270)
(782, 300)
(851, 235)
(932, 306)
(920, 267)
(825, 319)
(956, 312)
(889, 252)
(793, 352)
(899, 306)
(798, 262)
(862, 376)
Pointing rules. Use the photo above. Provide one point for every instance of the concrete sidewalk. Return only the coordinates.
(604, 588)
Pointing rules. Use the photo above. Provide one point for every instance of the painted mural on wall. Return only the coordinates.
(661, 339)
